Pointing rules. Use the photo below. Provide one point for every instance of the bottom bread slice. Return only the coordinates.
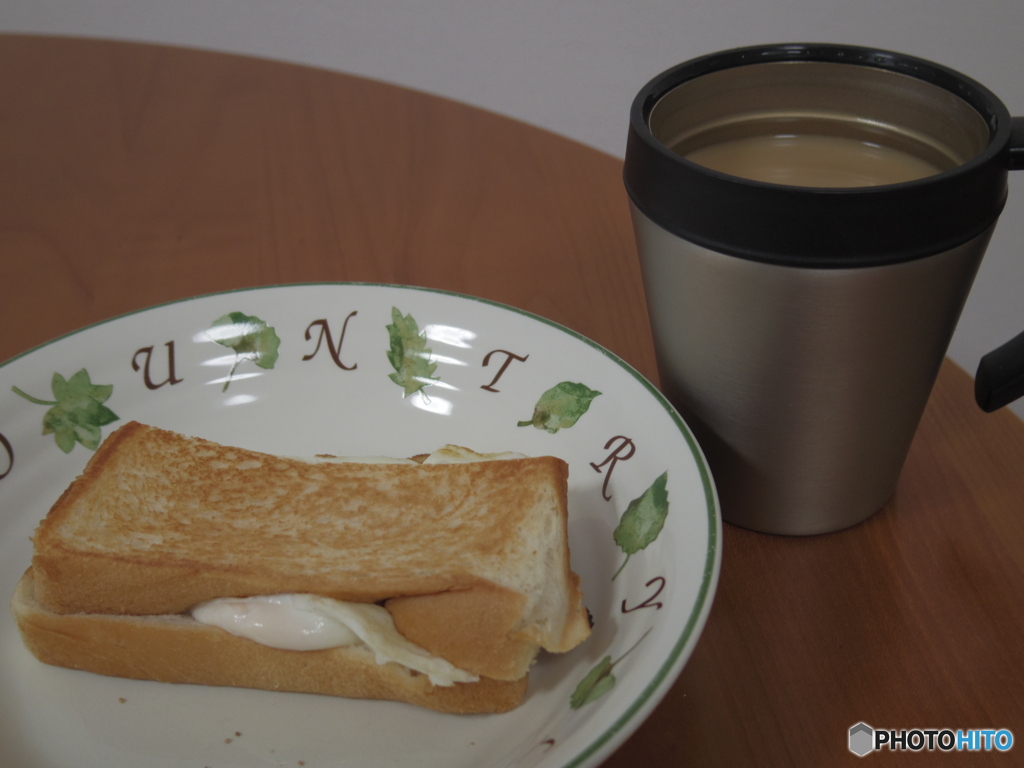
(178, 649)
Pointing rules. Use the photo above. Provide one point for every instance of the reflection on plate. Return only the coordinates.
(367, 370)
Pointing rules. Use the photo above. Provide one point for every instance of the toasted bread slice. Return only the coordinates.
(158, 522)
(178, 649)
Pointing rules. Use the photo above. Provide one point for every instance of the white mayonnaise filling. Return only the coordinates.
(448, 454)
(299, 622)
(455, 454)
(357, 460)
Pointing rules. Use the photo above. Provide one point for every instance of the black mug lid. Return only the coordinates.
(812, 226)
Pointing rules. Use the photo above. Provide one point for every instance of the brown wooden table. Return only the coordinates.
(133, 174)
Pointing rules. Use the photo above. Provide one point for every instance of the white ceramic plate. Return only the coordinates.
(474, 370)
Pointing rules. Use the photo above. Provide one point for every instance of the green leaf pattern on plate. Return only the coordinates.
(409, 355)
(596, 684)
(561, 406)
(600, 679)
(251, 339)
(643, 520)
(77, 411)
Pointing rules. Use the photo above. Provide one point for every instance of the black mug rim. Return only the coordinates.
(814, 226)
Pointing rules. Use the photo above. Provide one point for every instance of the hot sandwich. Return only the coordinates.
(435, 582)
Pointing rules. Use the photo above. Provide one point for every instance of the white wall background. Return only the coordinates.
(572, 66)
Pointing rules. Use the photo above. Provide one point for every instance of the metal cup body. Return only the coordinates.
(804, 387)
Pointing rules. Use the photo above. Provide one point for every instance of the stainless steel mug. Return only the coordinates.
(800, 322)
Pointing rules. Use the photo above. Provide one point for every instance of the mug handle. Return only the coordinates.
(1016, 144)
(1000, 377)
